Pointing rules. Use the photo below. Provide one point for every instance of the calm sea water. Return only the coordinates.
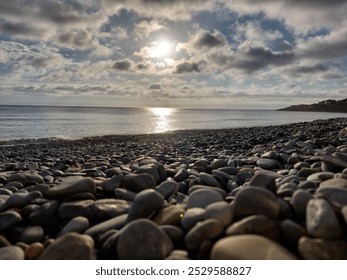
(32, 122)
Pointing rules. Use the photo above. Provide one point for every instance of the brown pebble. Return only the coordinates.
(34, 251)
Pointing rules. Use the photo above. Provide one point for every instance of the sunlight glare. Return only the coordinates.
(161, 49)
(161, 112)
(162, 119)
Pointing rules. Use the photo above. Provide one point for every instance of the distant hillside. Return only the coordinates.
(330, 105)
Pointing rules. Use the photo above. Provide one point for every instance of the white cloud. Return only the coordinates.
(302, 16)
(252, 35)
(146, 27)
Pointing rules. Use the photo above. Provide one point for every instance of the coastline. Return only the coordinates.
(99, 191)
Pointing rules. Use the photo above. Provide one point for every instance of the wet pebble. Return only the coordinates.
(202, 198)
(249, 247)
(322, 249)
(192, 216)
(70, 186)
(70, 246)
(9, 219)
(321, 220)
(255, 224)
(145, 203)
(11, 253)
(202, 231)
(78, 224)
(143, 240)
(31, 235)
(254, 200)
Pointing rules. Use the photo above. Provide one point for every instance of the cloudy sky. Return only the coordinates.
(177, 53)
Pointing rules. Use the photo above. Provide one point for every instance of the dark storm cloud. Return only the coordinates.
(312, 3)
(123, 65)
(12, 7)
(258, 58)
(317, 2)
(61, 12)
(154, 86)
(186, 67)
(207, 40)
(41, 61)
(76, 38)
(174, 2)
(19, 29)
(308, 69)
(142, 66)
(329, 47)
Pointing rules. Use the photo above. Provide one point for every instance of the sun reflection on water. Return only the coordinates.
(162, 119)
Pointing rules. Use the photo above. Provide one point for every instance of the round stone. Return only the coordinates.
(305, 172)
(145, 203)
(178, 255)
(322, 249)
(18, 177)
(191, 217)
(139, 182)
(181, 175)
(266, 163)
(249, 247)
(6, 192)
(21, 199)
(255, 224)
(34, 251)
(78, 224)
(202, 198)
(291, 232)
(124, 194)
(299, 201)
(208, 180)
(9, 219)
(4, 242)
(254, 200)
(151, 169)
(336, 196)
(320, 176)
(32, 234)
(221, 211)
(321, 220)
(167, 188)
(69, 210)
(71, 246)
(11, 253)
(107, 208)
(45, 215)
(265, 179)
(170, 215)
(334, 164)
(114, 223)
(334, 183)
(344, 213)
(203, 187)
(202, 231)
(113, 183)
(142, 239)
(218, 163)
(70, 186)
(229, 170)
(174, 232)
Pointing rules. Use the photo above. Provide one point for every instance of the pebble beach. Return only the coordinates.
(274, 192)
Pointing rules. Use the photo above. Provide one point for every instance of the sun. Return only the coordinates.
(161, 49)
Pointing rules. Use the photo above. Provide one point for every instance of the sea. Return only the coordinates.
(31, 123)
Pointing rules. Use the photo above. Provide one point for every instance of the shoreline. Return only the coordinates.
(45, 140)
(189, 194)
